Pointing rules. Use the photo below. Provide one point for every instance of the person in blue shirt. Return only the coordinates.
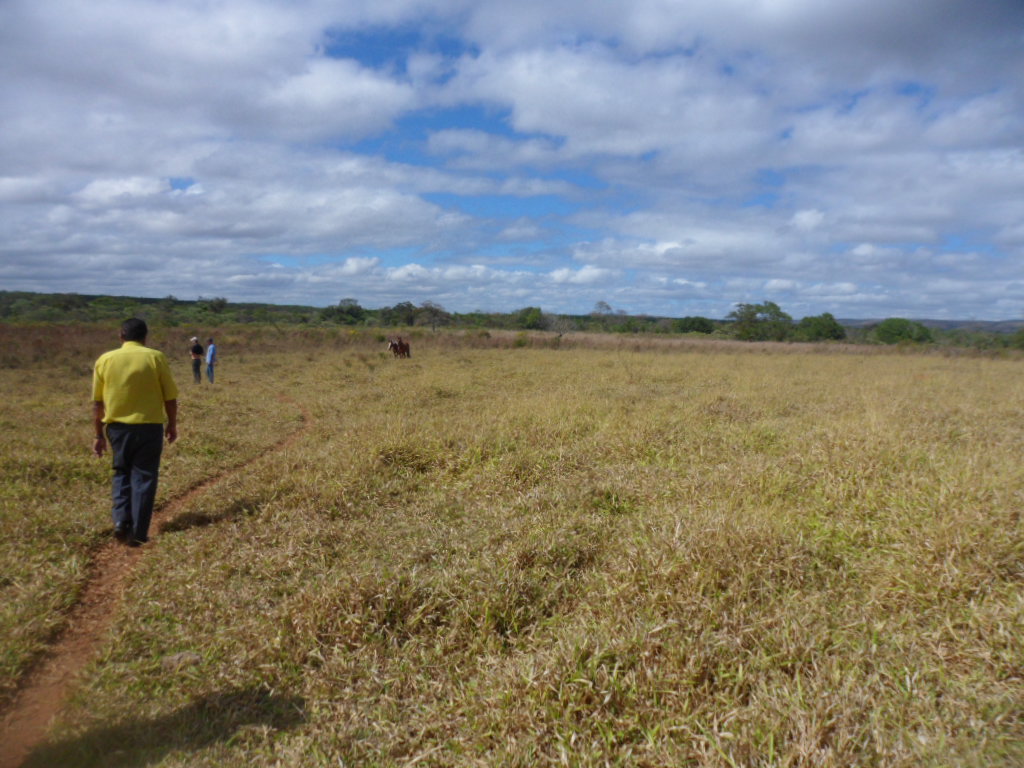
(211, 358)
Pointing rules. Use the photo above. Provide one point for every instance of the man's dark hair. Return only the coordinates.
(134, 329)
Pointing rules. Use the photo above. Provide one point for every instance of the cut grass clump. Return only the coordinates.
(465, 601)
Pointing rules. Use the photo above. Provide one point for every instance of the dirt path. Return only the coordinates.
(46, 686)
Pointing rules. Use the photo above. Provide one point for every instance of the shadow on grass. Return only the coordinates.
(233, 511)
(133, 743)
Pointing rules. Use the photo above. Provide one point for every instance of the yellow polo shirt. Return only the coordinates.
(133, 382)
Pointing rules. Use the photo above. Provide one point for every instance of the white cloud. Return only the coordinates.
(586, 275)
(409, 272)
(673, 156)
(521, 230)
(112, 192)
(779, 286)
(807, 220)
(358, 266)
(831, 289)
(334, 98)
(472, 149)
(601, 104)
(27, 189)
(689, 284)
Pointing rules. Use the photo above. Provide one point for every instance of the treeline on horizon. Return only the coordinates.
(747, 322)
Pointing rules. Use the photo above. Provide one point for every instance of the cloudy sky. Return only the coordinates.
(672, 157)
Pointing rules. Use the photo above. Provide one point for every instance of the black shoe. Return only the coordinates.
(121, 532)
(135, 543)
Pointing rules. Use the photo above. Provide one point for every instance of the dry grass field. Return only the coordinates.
(509, 553)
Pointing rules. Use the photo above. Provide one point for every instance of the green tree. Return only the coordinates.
(167, 310)
(693, 325)
(530, 318)
(403, 313)
(346, 312)
(109, 307)
(1017, 339)
(760, 322)
(432, 314)
(820, 328)
(894, 330)
(69, 302)
(216, 305)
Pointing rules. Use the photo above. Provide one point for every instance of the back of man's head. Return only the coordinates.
(134, 329)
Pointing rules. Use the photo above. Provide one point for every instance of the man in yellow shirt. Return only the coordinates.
(133, 396)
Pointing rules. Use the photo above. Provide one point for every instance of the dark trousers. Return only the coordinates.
(197, 365)
(136, 450)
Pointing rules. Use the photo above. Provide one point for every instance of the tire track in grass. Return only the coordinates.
(46, 685)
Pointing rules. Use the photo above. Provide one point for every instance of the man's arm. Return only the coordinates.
(99, 443)
(171, 406)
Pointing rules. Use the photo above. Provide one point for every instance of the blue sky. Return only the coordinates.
(858, 157)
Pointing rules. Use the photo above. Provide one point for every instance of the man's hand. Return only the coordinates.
(171, 430)
(99, 444)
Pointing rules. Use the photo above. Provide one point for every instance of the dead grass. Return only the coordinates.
(589, 557)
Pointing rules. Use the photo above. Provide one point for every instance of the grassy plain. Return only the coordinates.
(495, 553)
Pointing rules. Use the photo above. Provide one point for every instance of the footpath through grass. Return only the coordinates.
(55, 495)
(527, 557)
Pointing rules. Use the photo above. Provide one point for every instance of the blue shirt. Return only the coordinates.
(211, 354)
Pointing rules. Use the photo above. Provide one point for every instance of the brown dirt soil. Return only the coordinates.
(45, 687)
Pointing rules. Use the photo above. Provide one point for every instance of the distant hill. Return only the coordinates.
(985, 326)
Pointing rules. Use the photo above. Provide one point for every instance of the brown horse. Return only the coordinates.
(399, 347)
